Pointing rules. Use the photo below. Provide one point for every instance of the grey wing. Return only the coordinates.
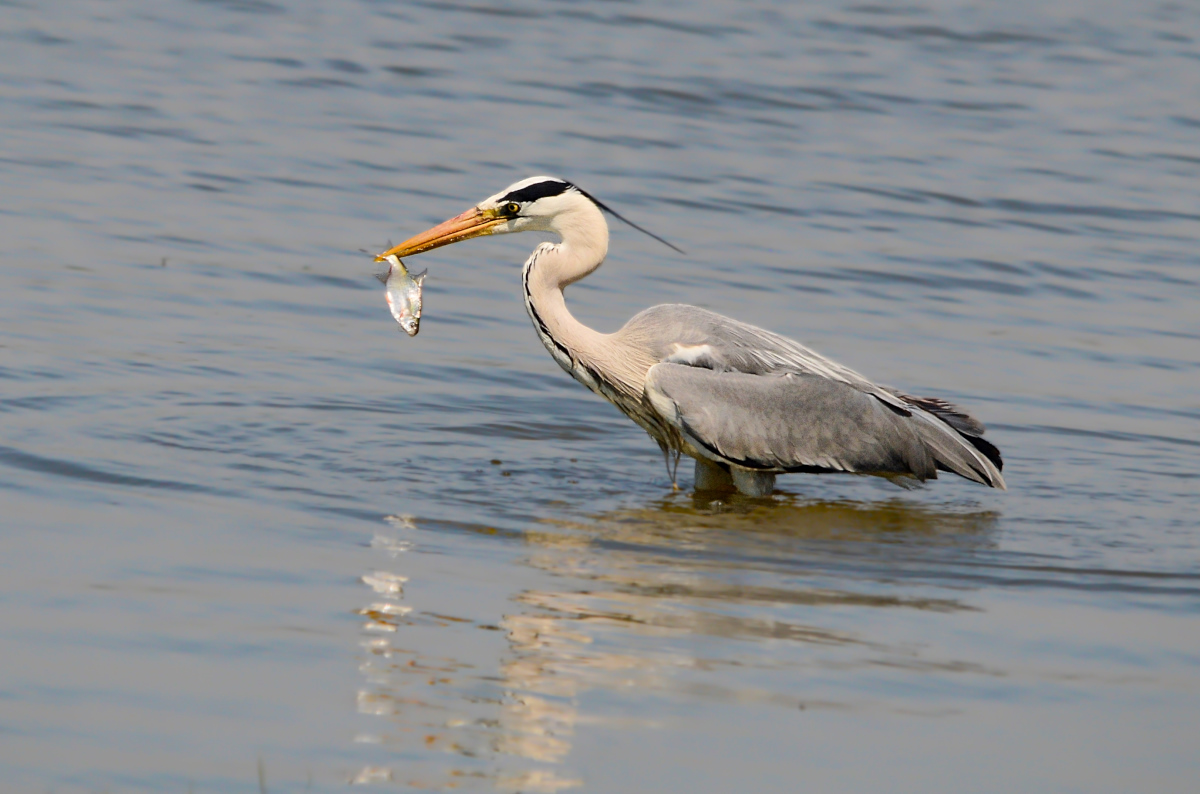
(684, 334)
(756, 399)
(785, 422)
(792, 422)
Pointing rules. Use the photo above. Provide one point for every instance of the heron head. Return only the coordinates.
(536, 204)
(532, 204)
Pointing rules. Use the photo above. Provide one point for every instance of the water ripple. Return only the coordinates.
(64, 468)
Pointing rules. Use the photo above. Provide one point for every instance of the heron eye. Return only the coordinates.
(512, 208)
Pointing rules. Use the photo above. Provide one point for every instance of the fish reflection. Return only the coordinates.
(648, 601)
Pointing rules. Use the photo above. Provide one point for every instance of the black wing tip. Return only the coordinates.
(948, 412)
(967, 426)
(987, 449)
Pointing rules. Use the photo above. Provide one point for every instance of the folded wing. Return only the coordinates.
(789, 421)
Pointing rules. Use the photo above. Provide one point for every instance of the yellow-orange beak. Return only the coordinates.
(472, 223)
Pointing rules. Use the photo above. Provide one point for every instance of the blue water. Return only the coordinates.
(255, 537)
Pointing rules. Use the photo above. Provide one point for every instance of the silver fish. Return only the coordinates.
(404, 294)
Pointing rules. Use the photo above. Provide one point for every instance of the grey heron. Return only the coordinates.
(745, 403)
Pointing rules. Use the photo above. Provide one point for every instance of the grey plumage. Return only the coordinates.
(745, 397)
(766, 423)
(746, 403)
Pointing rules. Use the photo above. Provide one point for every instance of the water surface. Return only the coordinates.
(249, 525)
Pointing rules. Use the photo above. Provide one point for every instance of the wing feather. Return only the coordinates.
(790, 422)
(691, 335)
(787, 422)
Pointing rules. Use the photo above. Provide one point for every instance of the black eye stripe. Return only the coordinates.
(538, 190)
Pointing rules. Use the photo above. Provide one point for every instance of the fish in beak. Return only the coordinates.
(404, 294)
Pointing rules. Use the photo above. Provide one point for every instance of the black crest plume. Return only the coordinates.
(623, 219)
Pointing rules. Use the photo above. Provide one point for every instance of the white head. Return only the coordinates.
(539, 203)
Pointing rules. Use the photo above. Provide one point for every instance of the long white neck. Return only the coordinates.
(593, 358)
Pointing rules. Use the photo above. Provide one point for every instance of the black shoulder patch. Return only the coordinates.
(551, 187)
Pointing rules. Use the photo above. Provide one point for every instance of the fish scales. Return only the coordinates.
(404, 294)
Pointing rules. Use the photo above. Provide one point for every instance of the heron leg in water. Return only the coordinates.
(753, 483)
(711, 477)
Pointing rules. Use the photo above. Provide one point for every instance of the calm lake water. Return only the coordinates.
(253, 535)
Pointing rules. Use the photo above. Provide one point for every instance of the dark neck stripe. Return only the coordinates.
(533, 312)
(551, 187)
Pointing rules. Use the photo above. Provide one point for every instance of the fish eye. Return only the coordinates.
(512, 208)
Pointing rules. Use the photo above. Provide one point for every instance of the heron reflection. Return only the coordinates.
(639, 603)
